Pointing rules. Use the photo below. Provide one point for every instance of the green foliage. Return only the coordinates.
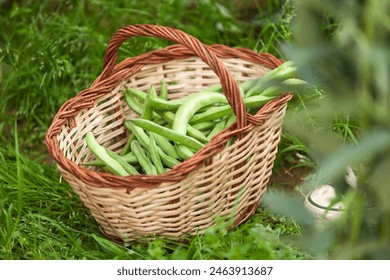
(343, 47)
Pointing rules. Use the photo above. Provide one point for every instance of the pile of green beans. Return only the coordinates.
(169, 131)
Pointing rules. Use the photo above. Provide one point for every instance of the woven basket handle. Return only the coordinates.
(229, 86)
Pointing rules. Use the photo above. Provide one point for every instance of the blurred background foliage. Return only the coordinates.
(51, 50)
(343, 47)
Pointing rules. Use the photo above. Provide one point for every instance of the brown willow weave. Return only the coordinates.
(218, 182)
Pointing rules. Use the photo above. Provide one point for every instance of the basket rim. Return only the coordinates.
(130, 66)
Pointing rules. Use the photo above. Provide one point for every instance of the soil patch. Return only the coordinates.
(288, 178)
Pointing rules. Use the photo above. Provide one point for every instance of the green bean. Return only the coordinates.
(166, 159)
(158, 119)
(189, 107)
(141, 95)
(257, 101)
(231, 119)
(163, 90)
(203, 125)
(242, 91)
(139, 133)
(214, 88)
(196, 134)
(147, 112)
(165, 105)
(126, 148)
(129, 158)
(219, 112)
(184, 152)
(108, 170)
(193, 132)
(143, 138)
(212, 114)
(101, 154)
(154, 156)
(217, 128)
(143, 160)
(165, 145)
(285, 71)
(96, 162)
(167, 116)
(139, 106)
(134, 105)
(192, 104)
(287, 86)
(256, 86)
(246, 85)
(129, 169)
(168, 133)
(152, 92)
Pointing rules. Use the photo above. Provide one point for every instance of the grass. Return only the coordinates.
(50, 51)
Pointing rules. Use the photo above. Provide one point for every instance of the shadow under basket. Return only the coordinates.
(219, 182)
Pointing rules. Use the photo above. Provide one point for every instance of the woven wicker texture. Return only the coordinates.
(217, 182)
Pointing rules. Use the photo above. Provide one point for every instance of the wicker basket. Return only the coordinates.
(216, 183)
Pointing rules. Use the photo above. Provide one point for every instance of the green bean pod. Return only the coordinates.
(221, 111)
(143, 138)
(231, 119)
(129, 158)
(168, 133)
(139, 134)
(101, 154)
(211, 115)
(160, 104)
(154, 156)
(129, 169)
(139, 106)
(189, 107)
(203, 125)
(134, 105)
(295, 85)
(246, 85)
(126, 148)
(285, 71)
(147, 112)
(163, 89)
(184, 152)
(143, 160)
(165, 145)
(193, 132)
(139, 94)
(217, 128)
(166, 159)
(192, 104)
(213, 88)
